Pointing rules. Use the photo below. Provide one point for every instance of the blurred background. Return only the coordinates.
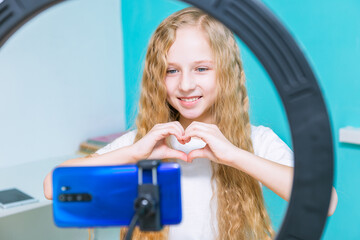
(73, 73)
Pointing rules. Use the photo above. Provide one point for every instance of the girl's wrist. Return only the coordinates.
(124, 155)
(235, 158)
(133, 153)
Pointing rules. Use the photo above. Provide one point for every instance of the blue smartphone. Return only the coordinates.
(105, 195)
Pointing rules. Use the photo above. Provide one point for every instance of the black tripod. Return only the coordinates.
(147, 207)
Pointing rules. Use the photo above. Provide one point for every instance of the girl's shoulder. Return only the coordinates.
(261, 135)
(127, 138)
(268, 145)
(124, 140)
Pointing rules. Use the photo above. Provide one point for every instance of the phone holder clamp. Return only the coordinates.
(148, 198)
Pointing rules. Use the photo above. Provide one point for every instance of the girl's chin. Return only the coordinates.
(191, 116)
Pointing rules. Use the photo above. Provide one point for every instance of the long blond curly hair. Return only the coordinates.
(241, 213)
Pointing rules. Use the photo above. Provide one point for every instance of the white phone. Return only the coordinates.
(14, 197)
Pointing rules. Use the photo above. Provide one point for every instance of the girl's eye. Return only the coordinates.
(202, 69)
(171, 71)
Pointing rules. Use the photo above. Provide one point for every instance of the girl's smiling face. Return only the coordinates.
(191, 78)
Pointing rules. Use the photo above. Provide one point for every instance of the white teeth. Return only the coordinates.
(189, 99)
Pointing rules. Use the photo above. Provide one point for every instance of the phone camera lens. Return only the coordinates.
(70, 198)
(62, 198)
(79, 197)
(86, 197)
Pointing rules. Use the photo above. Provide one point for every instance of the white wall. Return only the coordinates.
(61, 81)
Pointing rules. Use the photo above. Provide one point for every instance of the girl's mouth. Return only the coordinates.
(189, 101)
(192, 99)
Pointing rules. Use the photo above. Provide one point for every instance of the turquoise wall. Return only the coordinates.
(139, 19)
(329, 34)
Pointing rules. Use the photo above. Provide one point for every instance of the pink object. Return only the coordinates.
(108, 138)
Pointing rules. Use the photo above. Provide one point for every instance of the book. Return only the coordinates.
(104, 140)
(91, 145)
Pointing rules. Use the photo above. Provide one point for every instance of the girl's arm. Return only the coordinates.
(120, 156)
(151, 146)
(275, 176)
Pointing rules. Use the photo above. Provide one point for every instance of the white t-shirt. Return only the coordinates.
(199, 212)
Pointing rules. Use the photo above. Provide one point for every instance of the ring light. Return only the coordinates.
(295, 82)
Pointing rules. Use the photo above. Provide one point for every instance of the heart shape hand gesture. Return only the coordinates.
(153, 145)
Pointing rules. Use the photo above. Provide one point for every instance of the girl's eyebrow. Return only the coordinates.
(172, 64)
(196, 62)
(204, 61)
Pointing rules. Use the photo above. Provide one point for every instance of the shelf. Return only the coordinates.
(28, 178)
(350, 135)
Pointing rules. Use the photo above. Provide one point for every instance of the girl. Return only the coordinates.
(194, 110)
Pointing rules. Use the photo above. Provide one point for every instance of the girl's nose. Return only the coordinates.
(187, 82)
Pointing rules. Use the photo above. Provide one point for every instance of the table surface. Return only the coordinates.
(29, 178)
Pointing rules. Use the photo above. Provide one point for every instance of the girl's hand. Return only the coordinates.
(217, 148)
(153, 145)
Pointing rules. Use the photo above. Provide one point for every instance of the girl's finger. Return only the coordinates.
(182, 131)
(172, 153)
(198, 126)
(177, 123)
(178, 127)
(167, 127)
(197, 153)
(203, 135)
(200, 153)
(165, 132)
(168, 153)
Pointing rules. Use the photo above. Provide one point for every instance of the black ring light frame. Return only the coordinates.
(296, 84)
